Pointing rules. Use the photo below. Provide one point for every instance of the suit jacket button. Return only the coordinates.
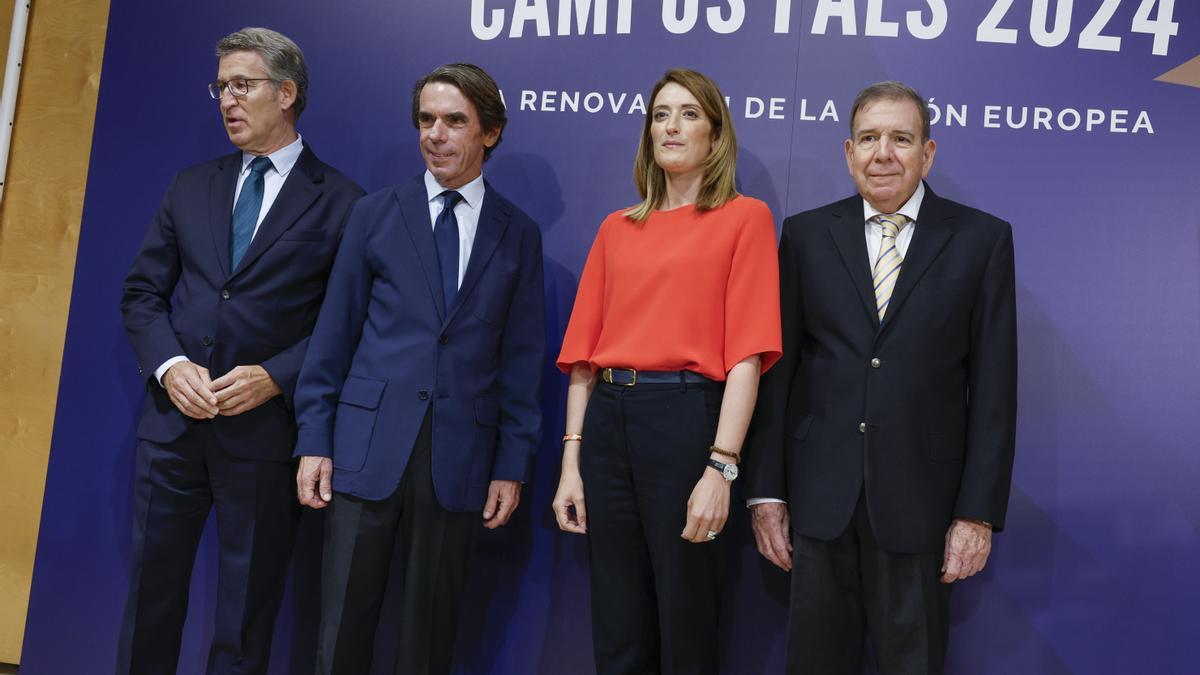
(423, 394)
(224, 293)
(206, 341)
(875, 363)
(443, 339)
(862, 427)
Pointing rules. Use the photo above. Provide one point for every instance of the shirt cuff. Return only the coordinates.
(162, 370)
(763, 500)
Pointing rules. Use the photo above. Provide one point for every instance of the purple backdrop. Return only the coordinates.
(1096, 572)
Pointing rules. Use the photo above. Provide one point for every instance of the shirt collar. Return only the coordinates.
(282, 159)
(911, 207)
(472, 193)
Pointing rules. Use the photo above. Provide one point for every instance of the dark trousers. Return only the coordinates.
(437, 546)
(655, 596)
(849, 588)
(175, 486)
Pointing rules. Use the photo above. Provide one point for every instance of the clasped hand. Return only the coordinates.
(198, 396)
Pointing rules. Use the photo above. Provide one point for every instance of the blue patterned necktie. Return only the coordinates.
(445, 235)
(887, 266)
(245, 212)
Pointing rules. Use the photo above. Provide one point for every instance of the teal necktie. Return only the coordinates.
(245, 212)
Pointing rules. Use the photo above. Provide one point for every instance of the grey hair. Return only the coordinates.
(283, 59)
(891, 90)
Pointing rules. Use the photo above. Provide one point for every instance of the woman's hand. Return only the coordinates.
(707, 508)
(568, 497)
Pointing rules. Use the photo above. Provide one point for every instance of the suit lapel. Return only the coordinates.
(848, 234)
(932, 234)
(299, 191)
(493, 221)
(414, 210)
(221, 186)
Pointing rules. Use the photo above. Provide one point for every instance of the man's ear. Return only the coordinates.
(287, 95)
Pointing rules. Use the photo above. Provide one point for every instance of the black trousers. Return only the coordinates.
(176, 484)
(655, 596)
(360, 536)
(846, 589)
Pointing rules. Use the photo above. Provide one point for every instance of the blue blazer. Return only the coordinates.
(181, 297)
(386, 350)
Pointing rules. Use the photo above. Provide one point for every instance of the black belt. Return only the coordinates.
(628, 377)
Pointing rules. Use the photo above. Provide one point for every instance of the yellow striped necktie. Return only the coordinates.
(887, 265)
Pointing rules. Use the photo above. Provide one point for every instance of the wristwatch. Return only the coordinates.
(728, 471)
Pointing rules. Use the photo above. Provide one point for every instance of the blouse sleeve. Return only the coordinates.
(587, 316)
(752, 293)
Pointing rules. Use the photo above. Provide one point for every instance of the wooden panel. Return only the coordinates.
(39, 233)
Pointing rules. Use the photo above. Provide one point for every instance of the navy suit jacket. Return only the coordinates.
(386, 350)
(919, 411)
(182, 298)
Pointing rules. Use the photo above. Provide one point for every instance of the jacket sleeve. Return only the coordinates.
(334, 340)
(992, 381)
(522, 351)
(146, 292)
(766, 475)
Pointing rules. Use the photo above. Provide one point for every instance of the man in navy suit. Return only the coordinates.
(888, 426)
(419, 400)
(219, 305)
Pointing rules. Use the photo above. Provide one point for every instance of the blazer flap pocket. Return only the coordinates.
(487, 411)
(363, 392)
(800, 430)
(303, 235)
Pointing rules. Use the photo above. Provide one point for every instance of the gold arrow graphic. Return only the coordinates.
(1188, 74)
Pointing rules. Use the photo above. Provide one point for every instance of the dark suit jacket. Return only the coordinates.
(928, 428)
(181, 297)
(385, 350)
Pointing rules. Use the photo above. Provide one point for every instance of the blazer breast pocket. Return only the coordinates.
(945, 285)
(354, 423)
(492, 297)
(303, 235)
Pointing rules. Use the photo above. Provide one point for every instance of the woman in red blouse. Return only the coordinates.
(676, 317)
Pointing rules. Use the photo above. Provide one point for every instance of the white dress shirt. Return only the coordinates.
(874, 232)
(282, 162)
(466, 212)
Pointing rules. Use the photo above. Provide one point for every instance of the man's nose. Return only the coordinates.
(227, 100)
(437, 130)
(884, 150)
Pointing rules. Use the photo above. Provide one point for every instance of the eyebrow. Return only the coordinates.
(686, 106)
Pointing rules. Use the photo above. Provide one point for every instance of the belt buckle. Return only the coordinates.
(607, 377)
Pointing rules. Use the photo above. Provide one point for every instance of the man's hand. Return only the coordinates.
(314, 481)
(502, 499)
(968, 543)
(244, 388)
(772, 533)
(707, 507)
(190, 389)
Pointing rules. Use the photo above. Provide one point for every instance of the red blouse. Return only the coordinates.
(685, 290)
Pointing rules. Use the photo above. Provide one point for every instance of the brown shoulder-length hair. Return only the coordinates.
(720, 167)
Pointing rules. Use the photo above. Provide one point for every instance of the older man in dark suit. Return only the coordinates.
(219, 305)
(888, 426)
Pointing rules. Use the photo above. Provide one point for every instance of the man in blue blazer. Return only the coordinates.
(889, 424)
(219, 305)
(419, 400)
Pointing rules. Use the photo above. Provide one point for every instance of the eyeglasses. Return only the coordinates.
(237, 88)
